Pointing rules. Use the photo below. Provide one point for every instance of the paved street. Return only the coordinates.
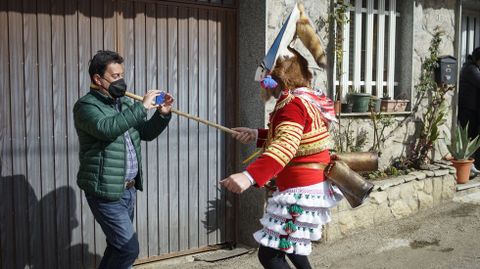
(444, 237)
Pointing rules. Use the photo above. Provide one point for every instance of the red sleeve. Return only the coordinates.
(288, 124)
(262, 137)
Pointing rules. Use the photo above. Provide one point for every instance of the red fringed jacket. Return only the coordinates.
(297, 133)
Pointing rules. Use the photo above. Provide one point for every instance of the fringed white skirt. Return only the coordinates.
(295, 217)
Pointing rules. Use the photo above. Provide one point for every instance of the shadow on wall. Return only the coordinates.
(215, 218)
(28, 227)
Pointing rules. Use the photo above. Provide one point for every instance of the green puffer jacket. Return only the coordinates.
(100, 128)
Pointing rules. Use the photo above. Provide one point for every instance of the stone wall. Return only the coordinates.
(251, 50)
(392, 199)
(398, 139)
(420, 18)
(429, 14)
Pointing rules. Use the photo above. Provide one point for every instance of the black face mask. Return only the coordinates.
(117, 88)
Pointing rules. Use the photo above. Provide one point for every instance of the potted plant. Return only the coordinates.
(375, 103)
(337, 106)
(397, 104)
(462, 148)
(347, 107)
(360, 101)
(388, 105)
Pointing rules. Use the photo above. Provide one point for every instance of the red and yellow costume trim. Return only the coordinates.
(297, 133)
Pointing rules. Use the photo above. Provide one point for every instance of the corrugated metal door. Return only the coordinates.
(185, 47)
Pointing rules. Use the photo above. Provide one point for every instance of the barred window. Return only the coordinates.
(369, 48)
(470, 33)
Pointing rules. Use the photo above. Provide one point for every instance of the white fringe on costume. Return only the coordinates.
(294, 235)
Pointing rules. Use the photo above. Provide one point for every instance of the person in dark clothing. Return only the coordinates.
(469, 98)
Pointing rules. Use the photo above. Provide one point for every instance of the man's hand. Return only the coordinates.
(166, 107)
(149, 97)
(236, 183)
(245, 135)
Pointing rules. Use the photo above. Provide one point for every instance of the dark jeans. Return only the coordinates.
(275, 259)
(115, 218)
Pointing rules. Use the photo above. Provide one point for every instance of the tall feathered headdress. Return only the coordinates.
(297, 25)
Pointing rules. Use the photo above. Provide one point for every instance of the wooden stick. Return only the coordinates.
(186, 115)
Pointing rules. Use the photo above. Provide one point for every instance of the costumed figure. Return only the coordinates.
(295, 150)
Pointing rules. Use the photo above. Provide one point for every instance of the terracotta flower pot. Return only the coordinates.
(463, 169)
(394, 105)
(337, 106)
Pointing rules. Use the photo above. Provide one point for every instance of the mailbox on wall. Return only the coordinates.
(446, 71)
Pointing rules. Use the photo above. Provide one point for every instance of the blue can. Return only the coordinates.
(160, 99)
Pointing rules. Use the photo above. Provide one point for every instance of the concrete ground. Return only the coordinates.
(446, 236)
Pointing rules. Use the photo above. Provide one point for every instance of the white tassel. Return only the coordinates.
(276, 227)
(302, 249)
(316, 235)
(299, 233)
(284, 198)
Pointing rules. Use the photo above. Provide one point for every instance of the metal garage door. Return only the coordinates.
(185, 47)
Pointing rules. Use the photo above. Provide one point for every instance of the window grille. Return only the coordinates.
(369, 48)
(470, 33)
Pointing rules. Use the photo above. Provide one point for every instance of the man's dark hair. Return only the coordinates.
(98, 64)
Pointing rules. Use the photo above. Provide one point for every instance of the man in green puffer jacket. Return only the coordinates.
(110, 128)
